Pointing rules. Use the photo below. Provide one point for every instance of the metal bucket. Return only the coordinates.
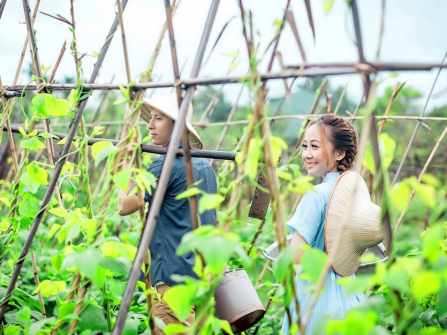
(237, 301)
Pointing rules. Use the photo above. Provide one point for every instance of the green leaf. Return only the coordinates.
(427, 194)
(397, 278)
(92, 318)
(312, 264)
(387, 147)
(87, 263)
(282, 265)
(28, 205)
(225, 326)
(33, 177)
(131, 326)
(431, 243)
(101, 150)
(181, 299)
(145, 180)
(44, 105)
(190, 192)
(301, 185)
(175, 328)
(38, 106)
(48, 288)
(114, 249)
(122, 179)
(214, 244)
(88, 227)
(425, 284)
(58, 107)
(357, 284)
(59, 211)
(278, 146)
(355, 323)
(400, 194)
(252, 161)
(13, 330)
(114, 265)
(327, 6)
(65, 309)
(209, 201)
(33, 144)
(37, 326)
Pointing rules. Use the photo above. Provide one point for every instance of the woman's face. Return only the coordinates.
(317, 152)
(160, 127)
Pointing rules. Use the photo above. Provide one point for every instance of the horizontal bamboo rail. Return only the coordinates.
(304, 71)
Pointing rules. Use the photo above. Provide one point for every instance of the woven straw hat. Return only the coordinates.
(353, 219)
(167, 104)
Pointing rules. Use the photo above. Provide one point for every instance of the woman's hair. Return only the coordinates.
(343, 137)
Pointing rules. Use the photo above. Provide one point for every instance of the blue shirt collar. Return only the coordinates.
(331, 176)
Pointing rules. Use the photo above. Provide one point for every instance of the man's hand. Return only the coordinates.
(129, 204)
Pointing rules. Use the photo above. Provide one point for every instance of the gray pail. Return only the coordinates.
(237, 301)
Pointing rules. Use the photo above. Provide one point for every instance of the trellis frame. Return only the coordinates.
(363, 67)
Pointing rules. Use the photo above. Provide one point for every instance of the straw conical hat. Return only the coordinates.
(353, 219)
(167, 104)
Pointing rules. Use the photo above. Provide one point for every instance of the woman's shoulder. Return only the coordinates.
(324, 189)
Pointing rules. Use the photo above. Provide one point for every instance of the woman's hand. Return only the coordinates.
(298, 244)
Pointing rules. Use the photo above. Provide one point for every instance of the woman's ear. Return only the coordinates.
(339, 155)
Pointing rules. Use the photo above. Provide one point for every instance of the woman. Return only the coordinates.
(328, 149)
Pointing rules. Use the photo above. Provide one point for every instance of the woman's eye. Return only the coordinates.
(303, 146)
(314, 146)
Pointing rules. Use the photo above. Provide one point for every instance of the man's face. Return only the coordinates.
(160, 127)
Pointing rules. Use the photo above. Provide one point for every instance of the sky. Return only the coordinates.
(414, 32)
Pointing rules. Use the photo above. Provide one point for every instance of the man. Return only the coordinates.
(174, 219)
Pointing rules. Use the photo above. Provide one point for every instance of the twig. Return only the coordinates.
(310, 17)
(296, 35)
(416, 128)
(123, 40)
(2, 7)
(340, 99)
(381, 28)
(37, 282)
(229, 119)
(59, 18)
(390, 102)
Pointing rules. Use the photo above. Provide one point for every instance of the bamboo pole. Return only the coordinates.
(296, 71)
(185, 138)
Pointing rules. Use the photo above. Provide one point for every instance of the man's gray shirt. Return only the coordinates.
(174, 219)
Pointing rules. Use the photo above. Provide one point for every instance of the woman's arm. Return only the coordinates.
(298, 244)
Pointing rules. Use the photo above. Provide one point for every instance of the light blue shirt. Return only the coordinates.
(308, 221)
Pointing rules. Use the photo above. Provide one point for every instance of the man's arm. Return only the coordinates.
(130, 203)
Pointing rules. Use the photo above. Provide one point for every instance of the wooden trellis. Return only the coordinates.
(185, 88)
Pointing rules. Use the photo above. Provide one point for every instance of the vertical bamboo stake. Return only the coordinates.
(185, 139)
